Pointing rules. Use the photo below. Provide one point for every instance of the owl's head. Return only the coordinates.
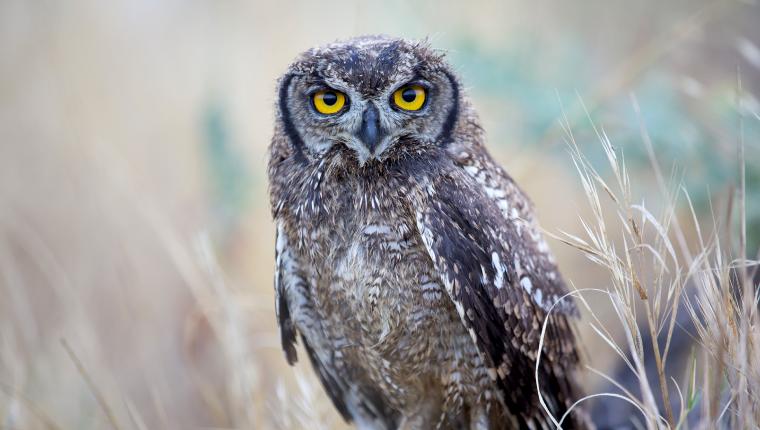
(368, 98)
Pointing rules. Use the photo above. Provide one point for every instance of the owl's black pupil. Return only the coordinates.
(330, 98)
(409, 95)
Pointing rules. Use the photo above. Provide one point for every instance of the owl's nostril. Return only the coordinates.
(371, 133)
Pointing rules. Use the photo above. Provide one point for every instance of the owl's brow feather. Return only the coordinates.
(388, 56)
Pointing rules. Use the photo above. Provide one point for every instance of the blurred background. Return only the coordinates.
(136, 243)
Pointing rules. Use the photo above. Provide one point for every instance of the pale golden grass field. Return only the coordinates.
(128, 299)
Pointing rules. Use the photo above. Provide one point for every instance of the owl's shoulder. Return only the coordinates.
(472, 156)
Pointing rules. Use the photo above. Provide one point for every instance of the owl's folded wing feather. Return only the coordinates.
(296, 314)
(291, 291)
(502, 284)
(284, 273)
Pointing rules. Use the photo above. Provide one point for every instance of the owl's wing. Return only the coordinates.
(502, 283)
(296, 314)
(286, 277)
(291, 290)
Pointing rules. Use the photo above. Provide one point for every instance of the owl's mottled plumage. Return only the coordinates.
(412, 268)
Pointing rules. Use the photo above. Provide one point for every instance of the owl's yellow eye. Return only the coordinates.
(410, 97)
(328, 102)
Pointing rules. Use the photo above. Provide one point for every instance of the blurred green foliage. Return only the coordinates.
(230, 178)
(698, 137)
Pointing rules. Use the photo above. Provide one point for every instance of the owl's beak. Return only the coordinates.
(371, 133)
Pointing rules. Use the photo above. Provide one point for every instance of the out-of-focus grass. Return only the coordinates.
(134, 222)
(655, 274)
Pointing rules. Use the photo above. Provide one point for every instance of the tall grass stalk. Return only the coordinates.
(654, 272)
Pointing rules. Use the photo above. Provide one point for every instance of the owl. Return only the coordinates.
(410, 264)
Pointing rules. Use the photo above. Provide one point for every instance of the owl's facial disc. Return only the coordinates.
(372, 124)
(371, 98)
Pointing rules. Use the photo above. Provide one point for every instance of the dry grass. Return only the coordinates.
(653, 274)
(117, 310)
(122, 355)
